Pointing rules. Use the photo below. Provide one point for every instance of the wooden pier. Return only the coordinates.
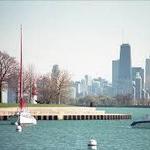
(65, 113)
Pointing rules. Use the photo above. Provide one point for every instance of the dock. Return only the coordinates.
(66, 113)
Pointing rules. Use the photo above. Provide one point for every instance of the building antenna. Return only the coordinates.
(122, 36)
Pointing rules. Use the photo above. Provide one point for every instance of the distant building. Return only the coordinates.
(115, 73)
(88, 82)
(78, 88)
(55, 71)
(147, 95)
(125, 62)
(133, 93)
(95, 87)
(139, 70)
(92, 87)
(73, 92)
(138, 86)
(147, 76)
(107, 90)
(83, 88)
(124, 74)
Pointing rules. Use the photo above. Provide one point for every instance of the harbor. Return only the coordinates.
(66, 113)
(73, 135)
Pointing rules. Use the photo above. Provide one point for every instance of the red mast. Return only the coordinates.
(21, 100)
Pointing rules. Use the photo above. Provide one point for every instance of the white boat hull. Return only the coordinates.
(27, 120)
(23, 117)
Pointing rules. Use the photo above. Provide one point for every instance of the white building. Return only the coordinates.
(4, 96)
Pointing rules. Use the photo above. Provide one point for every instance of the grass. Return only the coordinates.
(34, 105)
(7, 105)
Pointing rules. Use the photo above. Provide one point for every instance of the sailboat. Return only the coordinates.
(23, 115)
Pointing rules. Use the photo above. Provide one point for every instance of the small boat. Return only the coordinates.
(142, 123)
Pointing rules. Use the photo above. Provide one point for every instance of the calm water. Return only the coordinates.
(74, 135)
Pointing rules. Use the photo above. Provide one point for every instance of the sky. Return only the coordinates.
(82, 37)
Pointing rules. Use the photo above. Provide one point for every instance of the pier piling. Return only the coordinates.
(68, 113)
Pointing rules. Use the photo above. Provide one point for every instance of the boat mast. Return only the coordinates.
(20, 73)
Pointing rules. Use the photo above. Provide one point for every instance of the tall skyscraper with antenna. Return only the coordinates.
(125, 62)
(125, 74)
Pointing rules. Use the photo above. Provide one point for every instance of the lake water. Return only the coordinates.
(74, 135)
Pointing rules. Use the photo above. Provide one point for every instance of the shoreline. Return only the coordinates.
(66, 113)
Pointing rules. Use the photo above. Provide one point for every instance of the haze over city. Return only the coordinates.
(81, 37)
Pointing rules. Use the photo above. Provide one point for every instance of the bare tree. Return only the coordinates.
(43, 88)
(28, 79)
(60, 87)
(8, 66)
(54, 88)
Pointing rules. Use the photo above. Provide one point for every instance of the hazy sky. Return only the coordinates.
(83, 37)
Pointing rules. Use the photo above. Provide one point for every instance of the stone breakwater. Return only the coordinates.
(65, 113)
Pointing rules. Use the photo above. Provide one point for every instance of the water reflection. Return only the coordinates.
(92, 147)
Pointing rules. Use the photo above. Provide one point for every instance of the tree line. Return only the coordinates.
(51, 87)
(118, 100)
(54, 89)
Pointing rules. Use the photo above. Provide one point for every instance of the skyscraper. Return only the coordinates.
(139, 70)
(125, 62)
(88, 82)
(147, 75)
(78, 88)
(124, 74)
(55, 71)
(115, 72)
(83, 88)
(95, 87)
(138, 86)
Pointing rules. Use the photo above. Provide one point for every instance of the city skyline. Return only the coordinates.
(81, 37)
